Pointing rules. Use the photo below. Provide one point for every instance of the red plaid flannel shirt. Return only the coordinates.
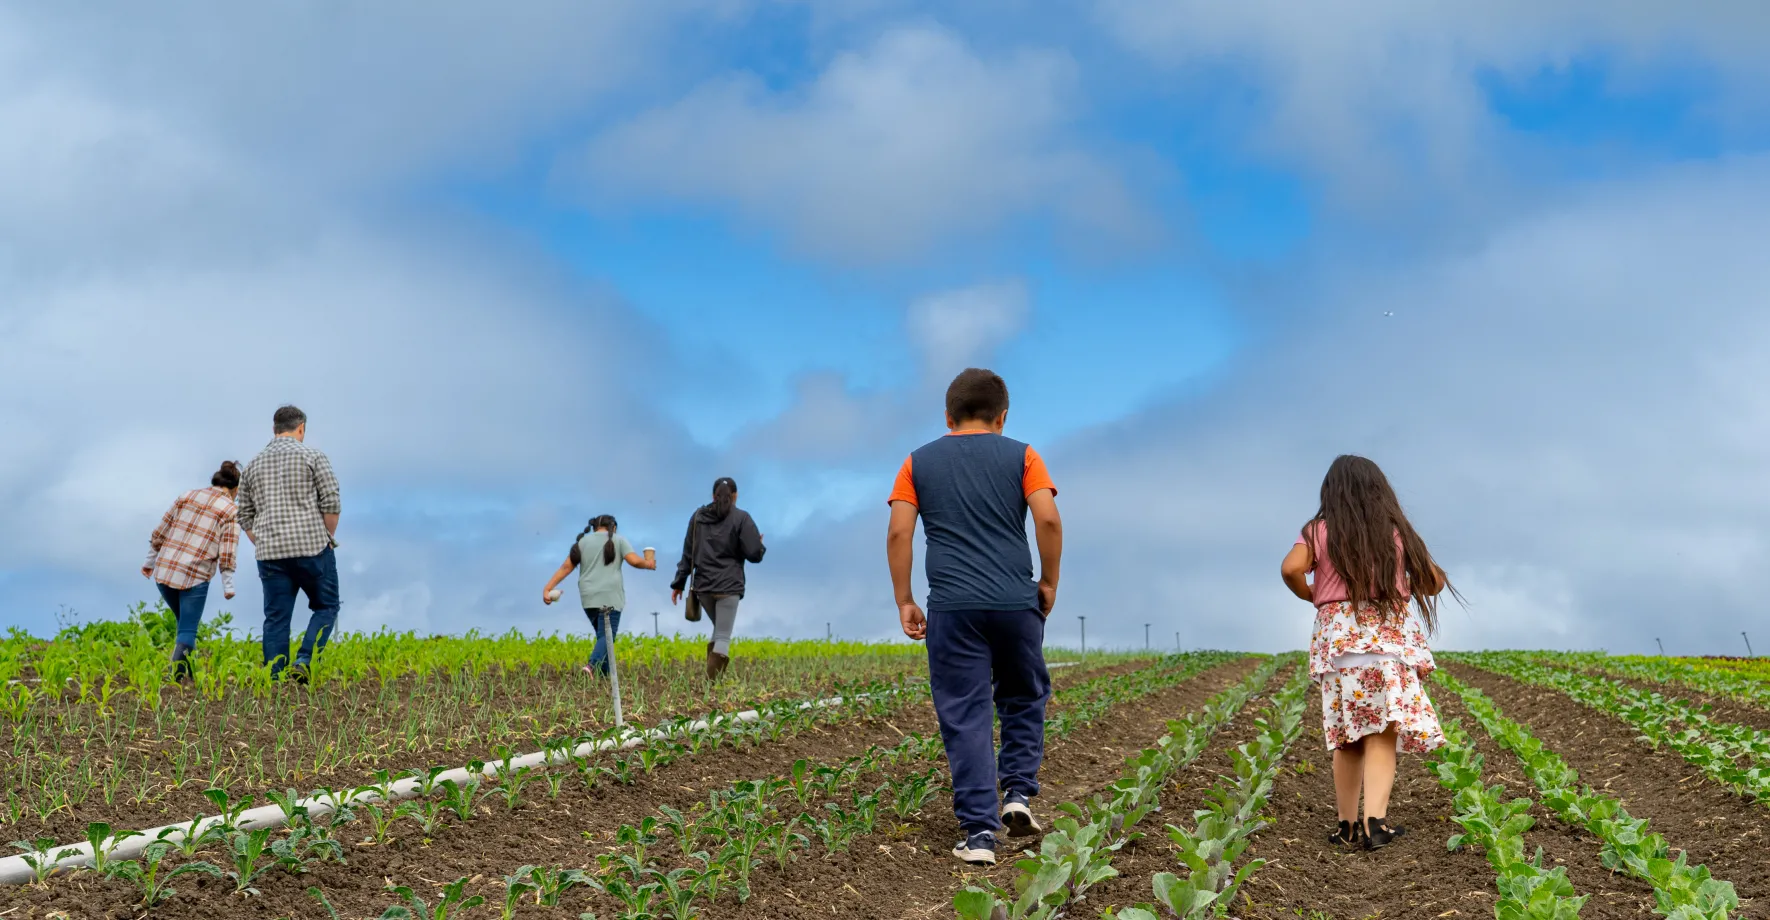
(198, 531)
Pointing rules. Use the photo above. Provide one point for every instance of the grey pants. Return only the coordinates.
(722, 609)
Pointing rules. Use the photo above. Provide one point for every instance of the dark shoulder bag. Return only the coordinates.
(693, 609)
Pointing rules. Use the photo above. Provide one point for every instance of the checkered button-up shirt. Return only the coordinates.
(283, 494)
(197, 535)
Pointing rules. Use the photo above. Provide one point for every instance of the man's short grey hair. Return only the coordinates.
(287, 419)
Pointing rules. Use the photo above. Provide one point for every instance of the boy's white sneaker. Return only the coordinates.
(978, 849)
(1017, 816)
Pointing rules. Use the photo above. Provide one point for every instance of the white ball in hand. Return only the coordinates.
(555, 594)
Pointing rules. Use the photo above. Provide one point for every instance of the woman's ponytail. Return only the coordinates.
(607, 521)
(724, 496)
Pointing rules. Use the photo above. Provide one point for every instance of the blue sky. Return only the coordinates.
(522, 270)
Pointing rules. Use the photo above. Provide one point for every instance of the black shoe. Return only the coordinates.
(1378, 832)
(1017, 816)
(1350, 833)
(182, 670)
(978, 849)
(297, 672)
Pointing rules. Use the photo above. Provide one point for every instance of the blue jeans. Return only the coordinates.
(315, 576)
(187, 606)
(599, 652)
(977, 658)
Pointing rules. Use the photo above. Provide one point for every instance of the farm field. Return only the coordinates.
(1185, 785)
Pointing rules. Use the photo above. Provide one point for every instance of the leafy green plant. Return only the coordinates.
(247, 850)
(150, 876)
(452, 901)
(37, 855)
(103, 840)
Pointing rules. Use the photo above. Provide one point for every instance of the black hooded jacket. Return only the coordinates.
(721, 547)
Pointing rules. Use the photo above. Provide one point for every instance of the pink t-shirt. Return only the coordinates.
(1330, 588)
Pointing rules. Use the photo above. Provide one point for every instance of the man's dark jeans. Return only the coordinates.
(315, 576)
(977, 658)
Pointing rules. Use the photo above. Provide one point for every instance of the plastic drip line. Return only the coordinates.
(15, 871)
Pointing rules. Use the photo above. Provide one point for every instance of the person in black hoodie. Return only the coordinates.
(721, 537)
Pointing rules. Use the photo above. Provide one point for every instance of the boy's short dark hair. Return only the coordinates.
(287, 419)
(977, 395)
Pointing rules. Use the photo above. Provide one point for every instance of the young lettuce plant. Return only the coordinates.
(453, 901)
(151, 879)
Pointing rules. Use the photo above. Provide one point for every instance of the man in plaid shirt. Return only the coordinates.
(288, 506)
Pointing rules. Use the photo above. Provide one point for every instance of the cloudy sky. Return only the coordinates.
(523, 265)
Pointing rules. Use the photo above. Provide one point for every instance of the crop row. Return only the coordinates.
(132, 652)
(720, 843)
(595, 759)
(1497, 825)
(1736, 756)
(1077, 854)
(1680, 891)
(1233, 813)
(1698, 675)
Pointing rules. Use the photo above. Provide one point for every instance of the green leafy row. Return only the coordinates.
(1497, 825)
(1736, 756)
(1232, 814)
(1087, 701)
(1702, 678)
(1680, 891)
(1077, 854)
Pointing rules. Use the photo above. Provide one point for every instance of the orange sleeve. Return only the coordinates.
(904, 490)
(1036, 476)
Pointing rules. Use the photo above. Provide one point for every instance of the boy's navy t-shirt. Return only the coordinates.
(971, 488)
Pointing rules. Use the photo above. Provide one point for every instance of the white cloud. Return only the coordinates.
(914, 140)
(959, 328)
(1380, 94)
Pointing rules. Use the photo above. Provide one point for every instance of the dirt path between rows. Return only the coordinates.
(1141, 859)
(1416, 876)
(911, 874)
(1716, 827)
(568, 831)
(1721, 709)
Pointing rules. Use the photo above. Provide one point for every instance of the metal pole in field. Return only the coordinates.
(1662, 646)
(1748, 644)
(656, 630)
(1146, 637)
(1084, 634)
(614, 671)
(829, 634)
(1176, 640)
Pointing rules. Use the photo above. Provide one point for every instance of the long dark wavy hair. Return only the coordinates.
(603, 522)
(1363, 516)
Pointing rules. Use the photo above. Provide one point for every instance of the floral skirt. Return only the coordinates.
(1364, 700)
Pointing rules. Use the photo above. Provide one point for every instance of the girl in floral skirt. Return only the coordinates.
(1369, 650)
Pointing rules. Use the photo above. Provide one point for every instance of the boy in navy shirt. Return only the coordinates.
(985, 624)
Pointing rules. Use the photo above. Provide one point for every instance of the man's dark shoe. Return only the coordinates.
(297, 672)
(978, 849)
(1017, 816)
(716, 664)
(1378, 832)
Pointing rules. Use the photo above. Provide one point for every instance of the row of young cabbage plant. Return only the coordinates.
(1497, 825)
(1077, 853)
(1680, 891)
(1700, 675)
(1736, 756)
(1233, 813)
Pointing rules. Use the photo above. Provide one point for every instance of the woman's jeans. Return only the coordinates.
(599, 652)
(187, 606)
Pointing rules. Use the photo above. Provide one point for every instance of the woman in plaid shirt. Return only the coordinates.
(197, 535)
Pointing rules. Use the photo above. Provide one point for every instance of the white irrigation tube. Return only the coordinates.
(15, 871)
